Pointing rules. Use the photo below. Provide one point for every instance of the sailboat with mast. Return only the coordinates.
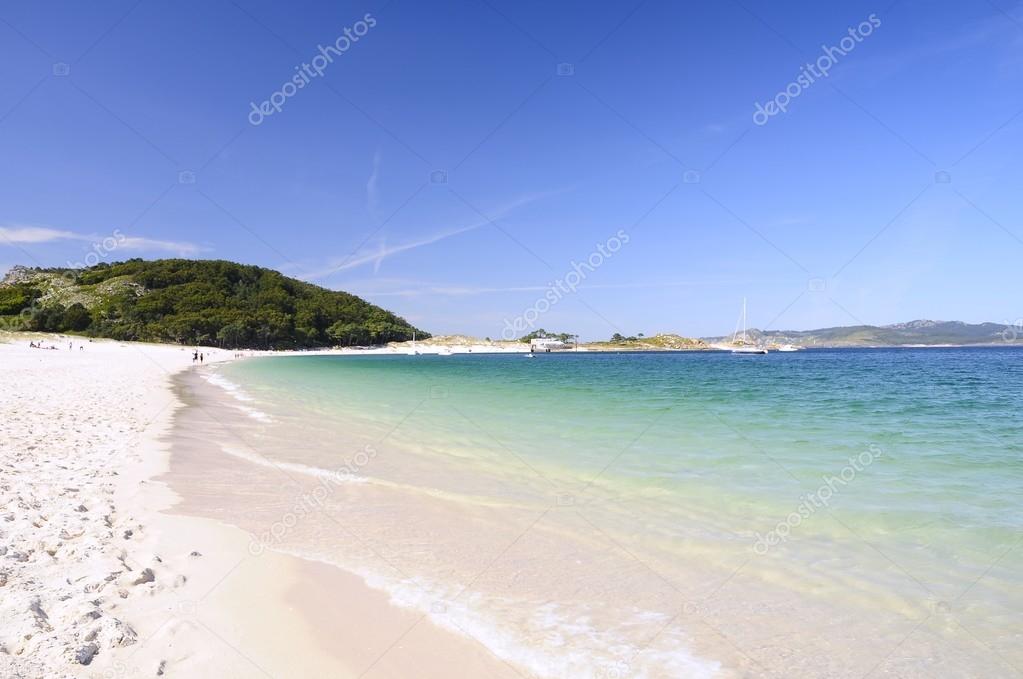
(741, 343)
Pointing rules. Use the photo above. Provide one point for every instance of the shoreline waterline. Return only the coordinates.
(293, 509)
(708, 573)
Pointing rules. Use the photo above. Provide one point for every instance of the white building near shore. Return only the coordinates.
(546, 344)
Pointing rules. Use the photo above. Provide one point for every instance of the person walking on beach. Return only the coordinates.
(200, 358)
(195, 356)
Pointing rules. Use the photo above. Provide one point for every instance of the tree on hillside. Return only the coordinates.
(542, 334)
(232, 335)
(76, 318)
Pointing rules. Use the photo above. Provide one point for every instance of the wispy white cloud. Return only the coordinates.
(380, 250)
(33, 234)
(383, 251)
(154, 245)
(997, 30)
(459, 291)
(18, 235)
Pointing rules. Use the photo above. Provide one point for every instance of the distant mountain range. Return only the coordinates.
(920, 332)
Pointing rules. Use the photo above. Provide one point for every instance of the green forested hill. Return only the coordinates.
(193, 302)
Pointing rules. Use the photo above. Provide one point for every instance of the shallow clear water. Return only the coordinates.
(686, 514)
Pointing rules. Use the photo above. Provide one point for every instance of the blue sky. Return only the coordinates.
(887, 191)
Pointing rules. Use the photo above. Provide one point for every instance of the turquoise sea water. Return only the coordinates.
(766, 510)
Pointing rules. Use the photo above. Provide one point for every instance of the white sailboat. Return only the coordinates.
(414, 351)
(741, 344)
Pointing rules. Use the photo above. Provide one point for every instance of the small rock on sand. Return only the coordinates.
(85, 654)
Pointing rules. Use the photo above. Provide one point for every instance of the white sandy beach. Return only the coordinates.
(99, 578)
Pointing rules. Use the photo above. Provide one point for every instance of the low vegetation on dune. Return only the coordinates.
(662, 342)
(193, 302)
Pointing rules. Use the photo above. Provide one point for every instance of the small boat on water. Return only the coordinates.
(741, 343)
(788, 347)
(530, 355)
